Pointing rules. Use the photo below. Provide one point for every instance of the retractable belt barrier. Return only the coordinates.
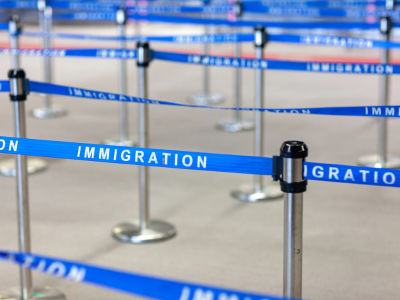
(127, 282)
(193, 161)
(3, 26)
(206, 38)
(241, 23)
(307, 39)
(108, 5)
(310, 12)
(218, 61)
(265, 64)
(98, 52)
(318, 3)
(290, 9)
(104, 16)
(390, 111)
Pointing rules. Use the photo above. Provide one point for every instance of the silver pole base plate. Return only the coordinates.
(35, 165)
(375, 161)
(37, 293)
(118, 142)
(206, 99)
(132, 233)
(249, 194)
(235, 126)
(52, 112)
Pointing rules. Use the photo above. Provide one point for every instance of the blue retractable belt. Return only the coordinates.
(113, 53)
(138, 156)
(307, 39)
(271, 24)
(389, 111)
(315, 3)
(319, 67)
(193, 161)
(219, 61)
(127, 282)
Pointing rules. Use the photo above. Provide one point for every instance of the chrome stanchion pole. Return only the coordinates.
(382, 159)
(206, 98)
(18, 95)
(258, 191)
(8, 166)
(145, 230)
(138, 29)
(290, 162)
(45, 20)
(124, 139)
(237, 124)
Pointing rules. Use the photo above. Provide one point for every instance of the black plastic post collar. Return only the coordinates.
(260, 36)
(290, 150)
(143, 54)
(385, 25)
(18, 85)
(121, 16)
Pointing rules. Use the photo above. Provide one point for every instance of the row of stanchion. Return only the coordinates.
(320, 9)
(381, 159)
(289, 167)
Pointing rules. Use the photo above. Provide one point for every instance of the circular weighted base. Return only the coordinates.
(206, 99)
(118, 142)
(48, 112)
(374, 161)
(37, 293)
(249, 194)
(35, 165)
(131, 233)
(235, 126)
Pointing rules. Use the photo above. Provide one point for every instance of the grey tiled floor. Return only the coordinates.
(351, 240)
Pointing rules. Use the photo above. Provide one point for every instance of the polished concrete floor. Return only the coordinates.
(351, 233)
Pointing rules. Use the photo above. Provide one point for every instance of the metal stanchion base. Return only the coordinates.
(374, 161)
(37, 293)
(131, 233)
(118, 142)
(235, 126)
(35, 165)
(206, 99)
(48, 112)
(249, 194)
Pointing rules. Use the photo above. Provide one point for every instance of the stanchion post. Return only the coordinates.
(8, 166)
(206, 97)
(18, 96)
(138, 30)
(46, 20)
(123, 139)
(237, 124)
(385, 29)
(289, 170)
(258, 192)
(382, 159)
(145, 230)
